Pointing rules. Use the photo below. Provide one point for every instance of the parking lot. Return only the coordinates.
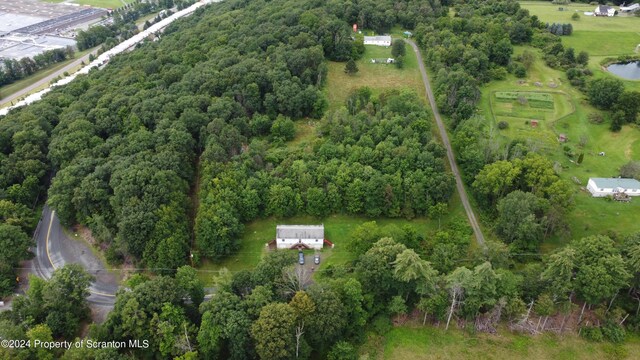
(30, 27)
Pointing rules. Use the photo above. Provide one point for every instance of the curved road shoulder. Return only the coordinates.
(447, 144)
(54, 249)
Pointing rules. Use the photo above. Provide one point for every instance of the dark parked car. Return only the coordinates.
(300, 258)
(316, 259)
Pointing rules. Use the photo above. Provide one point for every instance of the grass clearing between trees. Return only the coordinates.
(590, 215)
(337, 230)
(378, 77)
(414, 342)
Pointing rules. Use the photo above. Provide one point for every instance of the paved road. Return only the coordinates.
(47, 80)
(54, 249)
(447, 144)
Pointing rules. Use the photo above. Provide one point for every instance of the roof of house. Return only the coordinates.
(603, 8)
(612, 183)
(630, 7)
(300, 231)
(378, 38)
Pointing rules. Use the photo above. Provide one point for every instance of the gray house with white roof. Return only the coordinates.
(600, 187)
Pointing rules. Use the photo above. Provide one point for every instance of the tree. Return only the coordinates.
(398, 48)
(631, 170)
(518, 222)
(342, 350)
(351, 68)
(375, 268)
(397, 306)
(617, 120)
(629, 104)
(583, 58)
(527, 58)
(274, 332)
(409, 268)
(575, 16)
(600, 270)
(283, 128)
(438, 210)
(187, 279)
(604, 92)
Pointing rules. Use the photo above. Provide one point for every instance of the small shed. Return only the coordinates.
(563, 138)
(407, 34)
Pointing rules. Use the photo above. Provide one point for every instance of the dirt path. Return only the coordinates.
(447, 144)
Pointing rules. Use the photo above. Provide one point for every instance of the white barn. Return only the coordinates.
(378, 40)
(600, 187)
(299, 236)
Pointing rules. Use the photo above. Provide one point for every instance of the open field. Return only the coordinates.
(531, 115)
(590, 215)
(412, 342)
(378, 77)
(599, 36)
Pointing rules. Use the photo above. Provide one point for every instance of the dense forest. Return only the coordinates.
(172, 147)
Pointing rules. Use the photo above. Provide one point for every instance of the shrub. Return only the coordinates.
(381, 324)
(591, 333)
(613, 332)
(503, 125)
(575, 16)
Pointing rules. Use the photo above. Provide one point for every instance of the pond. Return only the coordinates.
(628, 70)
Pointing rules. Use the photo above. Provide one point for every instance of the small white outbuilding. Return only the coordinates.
(600, 187)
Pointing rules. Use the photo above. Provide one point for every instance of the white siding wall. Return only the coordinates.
(379, 43)
(288, 243)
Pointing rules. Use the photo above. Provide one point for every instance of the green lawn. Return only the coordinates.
(599, 36)
(337, 229)
(519, 114)
(107, 4)
(379, 77)
(590, 215)
(413, 342)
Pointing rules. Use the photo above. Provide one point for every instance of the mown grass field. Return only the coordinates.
(590, 215)
(337, 229)
(521, 112)
(599, 36)
(378, 77)
(413, 342)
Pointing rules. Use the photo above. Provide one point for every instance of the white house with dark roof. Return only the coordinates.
(604, 10)
(299, 236)
(378, 40)
(600, 187)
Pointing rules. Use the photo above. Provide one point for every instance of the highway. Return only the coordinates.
(46, 80)
(450, 155)
(103, 58)
(54, 249)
